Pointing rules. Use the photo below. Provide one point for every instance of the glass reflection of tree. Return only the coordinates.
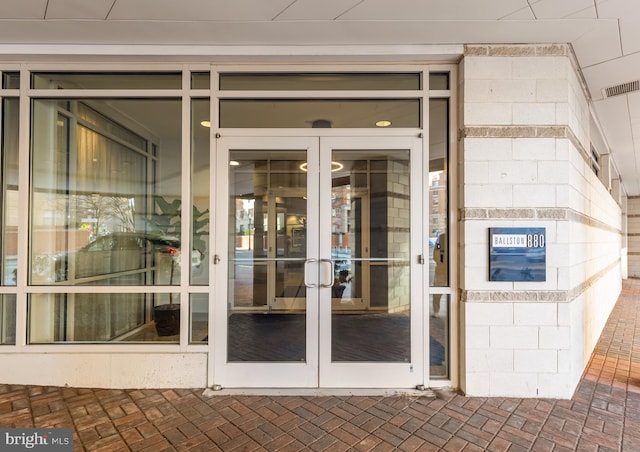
(116, 213)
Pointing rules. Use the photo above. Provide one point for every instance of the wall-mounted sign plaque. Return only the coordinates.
(517, 254)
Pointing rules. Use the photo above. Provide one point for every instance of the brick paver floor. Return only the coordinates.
(603, 415)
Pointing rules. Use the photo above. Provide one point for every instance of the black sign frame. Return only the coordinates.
(517, 254)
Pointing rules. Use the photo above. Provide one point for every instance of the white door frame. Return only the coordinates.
(318, 370)
(262, 374)
(374, 374)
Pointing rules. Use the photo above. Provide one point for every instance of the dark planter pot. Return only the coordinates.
(167, 319)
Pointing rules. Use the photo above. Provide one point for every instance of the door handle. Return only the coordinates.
(306, 273)
(331, 274)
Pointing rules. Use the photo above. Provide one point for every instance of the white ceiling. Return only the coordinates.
(605, 35)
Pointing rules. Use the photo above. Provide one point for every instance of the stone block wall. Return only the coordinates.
(524, 162)
(398, 239)
(633, 225)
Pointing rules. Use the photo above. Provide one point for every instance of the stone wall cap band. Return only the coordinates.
(541, 296)
(524, 50)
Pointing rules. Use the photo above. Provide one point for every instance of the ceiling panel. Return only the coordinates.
(627, 13)
(614, 72)
(522, 14)
(587, 13)
(615, 9)
(197, 10)
(613, 114)
(630, 34)
(633, 101)
(22, 9)
(78, 9)
(600, 43)
(554, 9)
(433, 9)
(317, 10)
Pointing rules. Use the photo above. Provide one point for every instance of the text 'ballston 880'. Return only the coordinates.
(518, 241)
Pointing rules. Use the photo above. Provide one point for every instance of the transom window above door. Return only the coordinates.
(321, 100)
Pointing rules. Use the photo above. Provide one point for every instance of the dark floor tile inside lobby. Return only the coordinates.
(603, 415)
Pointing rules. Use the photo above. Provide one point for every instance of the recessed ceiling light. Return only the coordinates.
(383, 123)
(335, 166)
(205, 123)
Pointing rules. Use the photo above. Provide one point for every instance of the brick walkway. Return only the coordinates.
(603, 415)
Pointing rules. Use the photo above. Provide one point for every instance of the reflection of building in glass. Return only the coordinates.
(437, 203)
(341, 216)
(244, 216)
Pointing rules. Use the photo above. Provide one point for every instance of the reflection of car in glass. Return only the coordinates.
(117, 252)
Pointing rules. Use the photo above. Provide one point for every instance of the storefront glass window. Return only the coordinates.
(326, 113)
(438, 192)
(319, 81)
(9, 198)
(439, 81)
(199, 318)
(11, 80)
(7, 319)
(438, 237)
(106, 80)
(103, 317)
(439, 350)
(104, 210)
(200, 189)
(200, 80)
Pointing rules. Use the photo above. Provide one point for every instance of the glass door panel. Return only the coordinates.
(266, 320)
(370, 248)
(269, 275)
(372, 322)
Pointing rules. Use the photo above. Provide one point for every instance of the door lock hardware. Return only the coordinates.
(421, 259)
(216, 259)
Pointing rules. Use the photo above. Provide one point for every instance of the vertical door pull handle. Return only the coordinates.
(306, 273)
(331, 273)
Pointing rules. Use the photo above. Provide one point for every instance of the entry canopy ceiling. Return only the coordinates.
(605, 35)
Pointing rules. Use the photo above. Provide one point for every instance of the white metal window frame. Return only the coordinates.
(22, 289)
(186, 94)
(424, 94)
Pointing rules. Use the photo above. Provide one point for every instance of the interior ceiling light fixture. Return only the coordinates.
(205, 123)
(335, 166)
(383, 123)
(321, 124)
(234, 163)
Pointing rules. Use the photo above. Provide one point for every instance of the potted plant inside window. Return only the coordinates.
(165, 226)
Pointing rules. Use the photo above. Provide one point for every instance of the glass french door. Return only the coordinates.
(319, 282)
